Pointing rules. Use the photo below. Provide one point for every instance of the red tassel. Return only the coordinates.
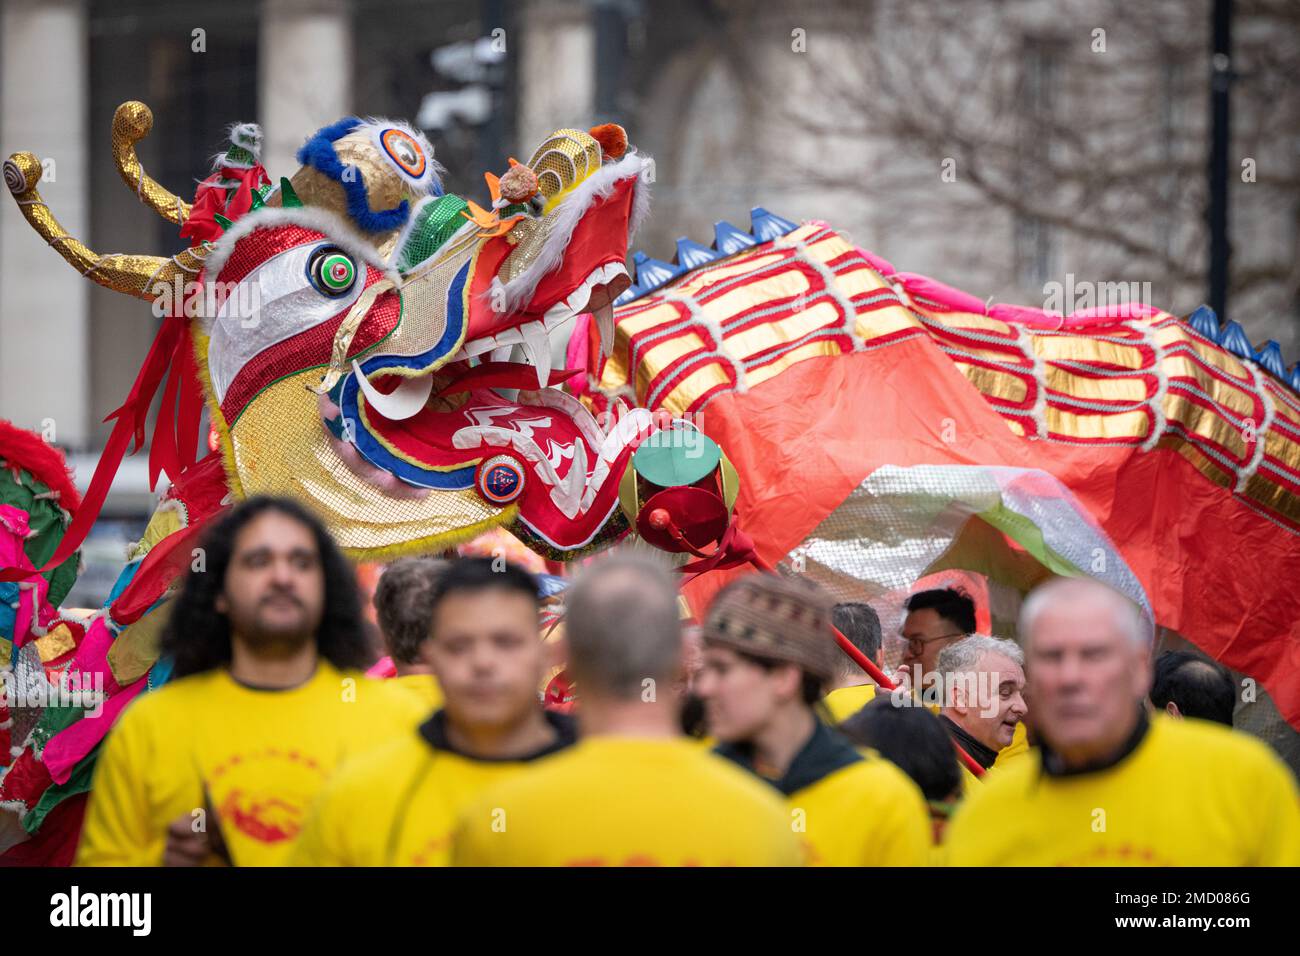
(166, 562)
(131, 418)
(191, 411)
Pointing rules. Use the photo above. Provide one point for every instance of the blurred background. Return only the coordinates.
(1007, 147)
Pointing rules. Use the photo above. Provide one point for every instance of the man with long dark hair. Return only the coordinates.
(266, 698)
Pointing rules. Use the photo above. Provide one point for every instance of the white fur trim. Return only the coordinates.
(109, 623)
(375, 127)
(697, 316)
(1039, 411)
(640, 201)
(620, 393)
(404, 236)
(309, 217)
(564, 219)
(831, 281)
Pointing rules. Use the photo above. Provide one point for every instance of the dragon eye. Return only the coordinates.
(404, 151)
(332, 271)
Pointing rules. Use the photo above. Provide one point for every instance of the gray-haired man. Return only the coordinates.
(983, 683)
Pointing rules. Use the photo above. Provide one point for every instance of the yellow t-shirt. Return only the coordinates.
(622, 801)
(1190, 794)
(1018, 747)
(850, 807)
(867, 814)
(423, 689)
(844, 702)
(262, 754)
(397, 805)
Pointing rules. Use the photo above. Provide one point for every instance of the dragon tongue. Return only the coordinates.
(537, 347)
(604, 315)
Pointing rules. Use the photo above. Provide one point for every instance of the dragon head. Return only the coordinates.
(463, 398)
(381, 350)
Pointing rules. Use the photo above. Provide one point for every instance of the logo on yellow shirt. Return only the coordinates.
(1124, 854)
(264, 794)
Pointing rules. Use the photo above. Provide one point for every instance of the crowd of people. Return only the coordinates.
(750, 740)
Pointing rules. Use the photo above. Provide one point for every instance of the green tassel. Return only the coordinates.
(222, 221)
(257, 201)
(288, 198)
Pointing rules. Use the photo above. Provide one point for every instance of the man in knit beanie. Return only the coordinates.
(768, 654)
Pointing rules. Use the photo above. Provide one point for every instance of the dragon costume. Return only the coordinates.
(777, 396)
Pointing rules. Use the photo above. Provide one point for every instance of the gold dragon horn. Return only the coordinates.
(132, 122)
(135, 275)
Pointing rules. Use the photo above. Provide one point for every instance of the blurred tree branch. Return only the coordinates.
(1104, 146)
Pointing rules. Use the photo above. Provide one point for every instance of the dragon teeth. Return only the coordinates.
(403, 402)
(605, 323)
(477, 347)
(538, 353)
(577, 302)
(537, 347)
(556, 316)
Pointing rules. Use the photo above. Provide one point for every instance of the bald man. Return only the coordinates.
(1110, 786)
(1188, 685)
